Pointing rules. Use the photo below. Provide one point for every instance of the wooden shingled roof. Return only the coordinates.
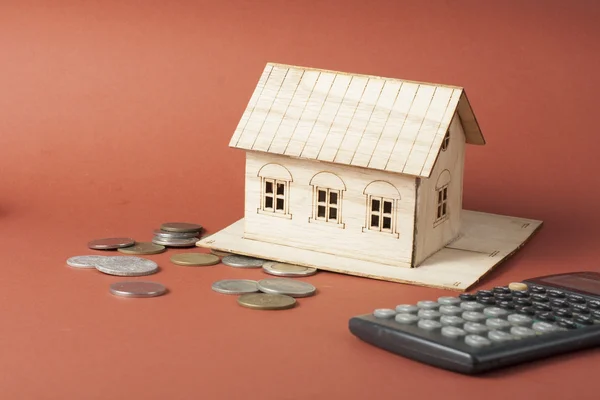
(360, 120)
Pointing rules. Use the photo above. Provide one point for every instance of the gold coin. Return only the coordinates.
(517, 286)
(266, 301)
(195, 259)
(220, 253)
(143, 248)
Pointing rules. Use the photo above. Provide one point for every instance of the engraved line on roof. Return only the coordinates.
(286, 110)
(367, 124)
(310, 132)
(252, 110)
(269, 110)
(385, 123)
(400, 130)
(337, 151)
(419, 130)
(334, 118)
(302, 113)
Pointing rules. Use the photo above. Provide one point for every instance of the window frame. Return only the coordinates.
(381, 214)
(327, 205)
(442, 211)
(446, 141)
(264, 195)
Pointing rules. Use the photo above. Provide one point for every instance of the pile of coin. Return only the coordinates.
(177, 234)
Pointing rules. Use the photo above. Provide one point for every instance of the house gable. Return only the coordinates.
(366, 121)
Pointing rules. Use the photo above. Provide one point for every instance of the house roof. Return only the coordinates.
(360, 120)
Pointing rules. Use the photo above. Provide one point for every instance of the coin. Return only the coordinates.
(126, 266)
(283, 269)
(189, 242)
(195, 259)
(84, 261)
(143, 248)
(240, 261)
(235, 286)
(174, 235)
(220, 253)
(110, 243)
(265, 301)
(180, 227)
(137, 289)
(517, 286)
(286, 286)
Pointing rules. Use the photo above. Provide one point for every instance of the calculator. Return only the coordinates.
(494, 328)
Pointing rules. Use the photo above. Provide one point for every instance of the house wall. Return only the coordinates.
(351, 238)
(431, 236)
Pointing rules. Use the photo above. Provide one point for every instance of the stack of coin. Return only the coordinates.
(177, 234)
(287, 270)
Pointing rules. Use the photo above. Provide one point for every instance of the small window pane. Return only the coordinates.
(375, 221)
(322, 196)
(280, 188)
(439, 196)
(333, 213)
(268, 202)
(387, 223)
(280, 204)
(387, 207)
(439, 212)
(444, 209)
(374, 205)
(321, 212)
(268, 187)
(445, 193)
(333, 197)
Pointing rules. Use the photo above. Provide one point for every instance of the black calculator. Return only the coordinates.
(506, 325)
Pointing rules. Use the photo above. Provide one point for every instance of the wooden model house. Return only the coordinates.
(348, 170)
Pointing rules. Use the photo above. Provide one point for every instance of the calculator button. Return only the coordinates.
(501, 289)
(473, 316)
(537, 289)
(497, 323)
(451, 310)
(449, 301)
(522, 332)
(429, 324)
(407, 309)
(566, 323)
(477, 341)
(519, 319)
(453, 332)
(580, 308)
(557, 294)
(406, 318)
(562, 312)
(544, 327)
(520, 293)
(544, 316)
(495, 312)
(467, 297)
(560, 303)
(525, 310)
(522, 301)
(485, 293)
(428, 305)
(594, 304)
(451, 320)
(384, 313)
(583, 319)
(471, 306)
(517, 286)
(488, 301)
(500, 336)
(595, 314)
(541, 307)
(475, 327)
(429, 314)
(542, 298)
(507, 304)
(575, 298)
(503, 296)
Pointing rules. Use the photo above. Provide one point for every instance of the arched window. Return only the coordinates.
(441, 188)
(275, 187)
(446, 141)
(382, 199)
(328, 189)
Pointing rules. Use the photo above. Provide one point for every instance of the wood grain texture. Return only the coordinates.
(351, 237)
(386, 124)
(486, 240)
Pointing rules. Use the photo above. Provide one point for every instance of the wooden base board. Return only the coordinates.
(485, 241)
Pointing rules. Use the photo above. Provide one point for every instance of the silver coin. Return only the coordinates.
(283, 269)
(158, 233)
(181, 227)
(137, 289)
(290, 287)
(126, 266)
(110, 243)
(240, 261)
(84, 261)
(175, 242)
(235, 286)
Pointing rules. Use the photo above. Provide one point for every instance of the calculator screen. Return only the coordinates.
(575, 282)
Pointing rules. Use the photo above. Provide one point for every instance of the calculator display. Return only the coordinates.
(576, 282)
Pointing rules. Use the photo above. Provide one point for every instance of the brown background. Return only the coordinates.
(115, 117)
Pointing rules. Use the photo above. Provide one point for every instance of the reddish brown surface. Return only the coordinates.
(115, 117)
